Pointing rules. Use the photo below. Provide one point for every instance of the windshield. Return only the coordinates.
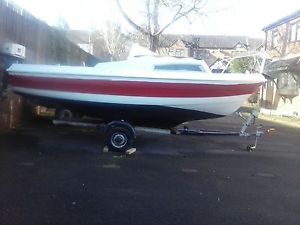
(180, 67)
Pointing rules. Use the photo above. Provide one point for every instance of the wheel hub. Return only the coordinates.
(118, 140)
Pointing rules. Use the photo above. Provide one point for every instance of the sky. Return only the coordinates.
(223, 17)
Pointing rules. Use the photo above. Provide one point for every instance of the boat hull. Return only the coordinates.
(142, 100)
(144, 111)
(139, 115)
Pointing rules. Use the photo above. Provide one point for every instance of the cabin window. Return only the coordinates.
(294, 32)
(180, 67)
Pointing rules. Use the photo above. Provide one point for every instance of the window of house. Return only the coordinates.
(176, 52)
(295, 32)
(171, 52)
(275, 38)
(195, 54)
(179, 52)
(287, 85)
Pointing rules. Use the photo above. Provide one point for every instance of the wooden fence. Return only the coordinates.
(44, 44)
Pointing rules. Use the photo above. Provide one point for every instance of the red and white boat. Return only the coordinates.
(148, 90)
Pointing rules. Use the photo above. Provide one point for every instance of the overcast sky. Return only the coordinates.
(235, 17)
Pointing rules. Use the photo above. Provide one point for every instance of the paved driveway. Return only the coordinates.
(59, 175)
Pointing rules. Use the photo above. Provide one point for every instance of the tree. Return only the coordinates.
(99, 46)
(115, 40)
(155, 9)
(110, 42)
(242, 65)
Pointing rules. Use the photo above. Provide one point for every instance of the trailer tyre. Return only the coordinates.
(119, 139)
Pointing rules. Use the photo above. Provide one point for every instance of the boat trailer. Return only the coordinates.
(119, 134)
(247, 122)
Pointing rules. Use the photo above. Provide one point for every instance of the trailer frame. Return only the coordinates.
(120, 134)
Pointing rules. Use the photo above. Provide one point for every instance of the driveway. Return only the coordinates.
(60, 175)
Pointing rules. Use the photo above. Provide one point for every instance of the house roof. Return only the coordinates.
(169, 40)
(212, 41)
(79, 36)
(277, 67)
(226, 42)
(283, 20)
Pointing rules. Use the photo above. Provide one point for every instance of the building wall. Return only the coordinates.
(284, 46)
(43, 44)
(178, 49)
(279, 46)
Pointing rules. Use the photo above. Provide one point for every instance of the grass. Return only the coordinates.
(283, 120)
(287, 121)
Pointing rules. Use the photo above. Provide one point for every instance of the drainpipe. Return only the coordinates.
(266, 39)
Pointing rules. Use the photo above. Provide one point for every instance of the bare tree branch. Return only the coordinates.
(178, 15)
(148, 16)
(130, 21)
(177, 9)
(156, 16)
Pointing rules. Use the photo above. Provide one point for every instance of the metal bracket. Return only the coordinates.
(247, 122)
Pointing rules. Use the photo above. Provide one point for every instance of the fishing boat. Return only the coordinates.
(147, 90)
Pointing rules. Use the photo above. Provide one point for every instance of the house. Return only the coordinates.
(215, 50)
(282, 37)
(282, 44)
(176, 48)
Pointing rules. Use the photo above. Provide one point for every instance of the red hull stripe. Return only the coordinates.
(132, 88)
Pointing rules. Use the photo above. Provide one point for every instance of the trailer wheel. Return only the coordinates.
(119, 139)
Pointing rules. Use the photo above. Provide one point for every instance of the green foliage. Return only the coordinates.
(241, 65)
